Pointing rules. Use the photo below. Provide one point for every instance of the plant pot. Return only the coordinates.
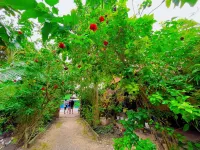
(104, 121)
(147, 125)
(121, 118)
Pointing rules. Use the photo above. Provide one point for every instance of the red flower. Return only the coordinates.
(43, 88)
(105, 43)
(93, 27)
(36, 60)
(55, 86)
(61, 45)
(101, 19)
(20, 32)
(15, 81)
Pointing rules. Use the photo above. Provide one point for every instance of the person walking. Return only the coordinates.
(72, 105)
(69, 108)
(66, 106)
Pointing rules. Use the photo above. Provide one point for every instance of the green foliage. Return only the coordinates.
(3, 34)
(77, 104)
(135, 120)
(177, 2)
(124, 143)
(155, 67)
(145, 145)
(20, 4)
(156, 98)
(87, 114)
(146, 3)
(186, 127)
(104, 129)
(52, 2)
(24, 103)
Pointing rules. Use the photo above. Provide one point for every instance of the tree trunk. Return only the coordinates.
(96, 106)
(26, 138)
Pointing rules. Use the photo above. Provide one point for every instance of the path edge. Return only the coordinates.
(32, 142)
(97, 137)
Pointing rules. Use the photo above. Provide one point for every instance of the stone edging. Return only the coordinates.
(97, 137)
(40, 134)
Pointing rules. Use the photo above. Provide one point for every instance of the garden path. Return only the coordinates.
(69, 133)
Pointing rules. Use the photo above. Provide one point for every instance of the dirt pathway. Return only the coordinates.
(69, 133)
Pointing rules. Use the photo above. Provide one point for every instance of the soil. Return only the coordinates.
(70, 133)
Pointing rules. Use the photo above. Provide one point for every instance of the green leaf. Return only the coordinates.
(31, 13)
(20, 4)
(67, 97)
(74, 17)
(190, 2)
(168, 3)
(186, 127)
(46, 30)
(2, 43)
(41, 19)
(176, 2)
(3, 33)
(52, 2)
(67, 19)
(42, 7)
(55, 10)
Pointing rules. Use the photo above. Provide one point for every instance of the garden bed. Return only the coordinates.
(33, 140)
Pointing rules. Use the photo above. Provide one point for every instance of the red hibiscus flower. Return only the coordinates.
(55, 86)
(101, 19)
(20, 32)
(105, 43)
(79, 66)
(93, 27)
(61, 45)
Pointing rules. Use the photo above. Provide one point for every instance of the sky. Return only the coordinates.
(161, 14)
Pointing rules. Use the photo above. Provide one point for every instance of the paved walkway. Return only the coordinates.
(69, 133)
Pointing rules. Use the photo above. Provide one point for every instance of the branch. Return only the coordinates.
(133, 8)
(157, 7)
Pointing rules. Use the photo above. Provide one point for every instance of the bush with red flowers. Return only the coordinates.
(20, 32)
(105, 43)
(55, 86)
(93, 27)
(79, 66)
(61, 45)
(101, 19)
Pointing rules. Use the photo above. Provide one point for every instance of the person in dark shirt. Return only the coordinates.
(69, 108)
(72, 105)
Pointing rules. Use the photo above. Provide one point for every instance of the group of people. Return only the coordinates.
(69, 106)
